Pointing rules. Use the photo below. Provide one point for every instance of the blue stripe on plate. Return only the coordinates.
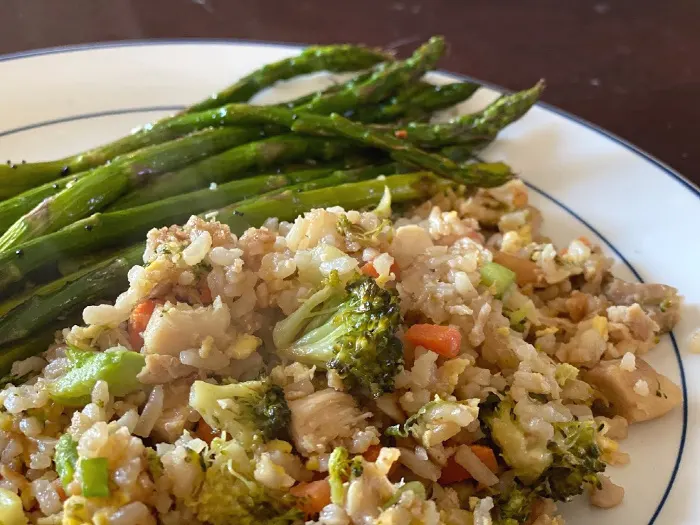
(663, 167)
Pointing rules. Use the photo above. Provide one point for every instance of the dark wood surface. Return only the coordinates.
(629, 66)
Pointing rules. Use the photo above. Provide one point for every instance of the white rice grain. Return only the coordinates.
(641, 388)
(198, 249)
(628, 362)
(135, 513)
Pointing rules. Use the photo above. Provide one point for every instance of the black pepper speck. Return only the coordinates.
(55, 186)
(88, 227)
(65, 170)
(19, 253)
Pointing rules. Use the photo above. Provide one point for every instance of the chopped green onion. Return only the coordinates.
(498, 278)
(518, 316)
(66, 458)
(95, 477)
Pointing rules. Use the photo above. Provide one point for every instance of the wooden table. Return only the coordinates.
(629, 66)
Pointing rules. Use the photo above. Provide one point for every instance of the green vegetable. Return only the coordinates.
(63, 297)
(118, 367)
(94, 475)
(66, 458)
(342, 468)
(246, 411)
(431, 417)
(11, 509)
(412, 486)
(338, 59)
(355, 337)
(100, 187)
(498, 278)
(230, 494)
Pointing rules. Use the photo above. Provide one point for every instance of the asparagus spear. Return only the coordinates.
(62, 297)
(107, 278)
(416, 105)
(382, 83)
(234, 162)
(19, 177)
(336, 59)
(106, 183)
(475, 127)
(100, 230)
(198, 145)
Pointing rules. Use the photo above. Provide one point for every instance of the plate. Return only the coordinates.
(586, 182)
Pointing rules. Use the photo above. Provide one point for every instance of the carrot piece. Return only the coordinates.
(401, 133)
(453, 472)
(312, 496)
(138, 320)
(372, 453)
(205, 432)
(443, 340)
(204, 292)
(369, 269)
(486, 455)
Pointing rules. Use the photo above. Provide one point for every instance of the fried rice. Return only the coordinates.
(564, 344)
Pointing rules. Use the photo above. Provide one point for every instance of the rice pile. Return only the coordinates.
(566, 337)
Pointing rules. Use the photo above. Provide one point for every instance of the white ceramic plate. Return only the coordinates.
(586, 182)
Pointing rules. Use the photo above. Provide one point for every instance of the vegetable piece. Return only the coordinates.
(443, 340)
(526, 271)
(358, 340)
(337, 59)
(138, 320)
(11, 509)
(384, 81)
(312, 496)
(412, 486)
(117, 366)
(94, 476)
(342, 468)
(65, 296)
(475, 128)
(498, 278)
(205, 432)
(234, 163)
(372, 453)
(453, 472)
(246, 411)
(229, 493)
(467, 457)
(105, 184)
(436, 421)
(66, 458)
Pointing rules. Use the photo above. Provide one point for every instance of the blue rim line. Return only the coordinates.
(663, 167)
(88, 116)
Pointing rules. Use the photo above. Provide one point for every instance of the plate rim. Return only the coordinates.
(665, 168)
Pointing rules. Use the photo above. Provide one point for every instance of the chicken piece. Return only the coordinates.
(161, 369)
(325, 418)
(638, 395)
(660, 302)
(174, 328)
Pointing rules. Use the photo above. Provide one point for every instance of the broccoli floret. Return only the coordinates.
(342, 468)
(356, 233)
(436, 421)
(230, 494)
(248, 411)
(559, 468)
(350, 329)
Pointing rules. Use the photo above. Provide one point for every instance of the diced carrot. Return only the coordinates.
(372, 453)
(312, 496)
(138, 320)
(453, 472)
(486, 455)
(204, 292)
(369, 269)
(205, 432)
(443, 340)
